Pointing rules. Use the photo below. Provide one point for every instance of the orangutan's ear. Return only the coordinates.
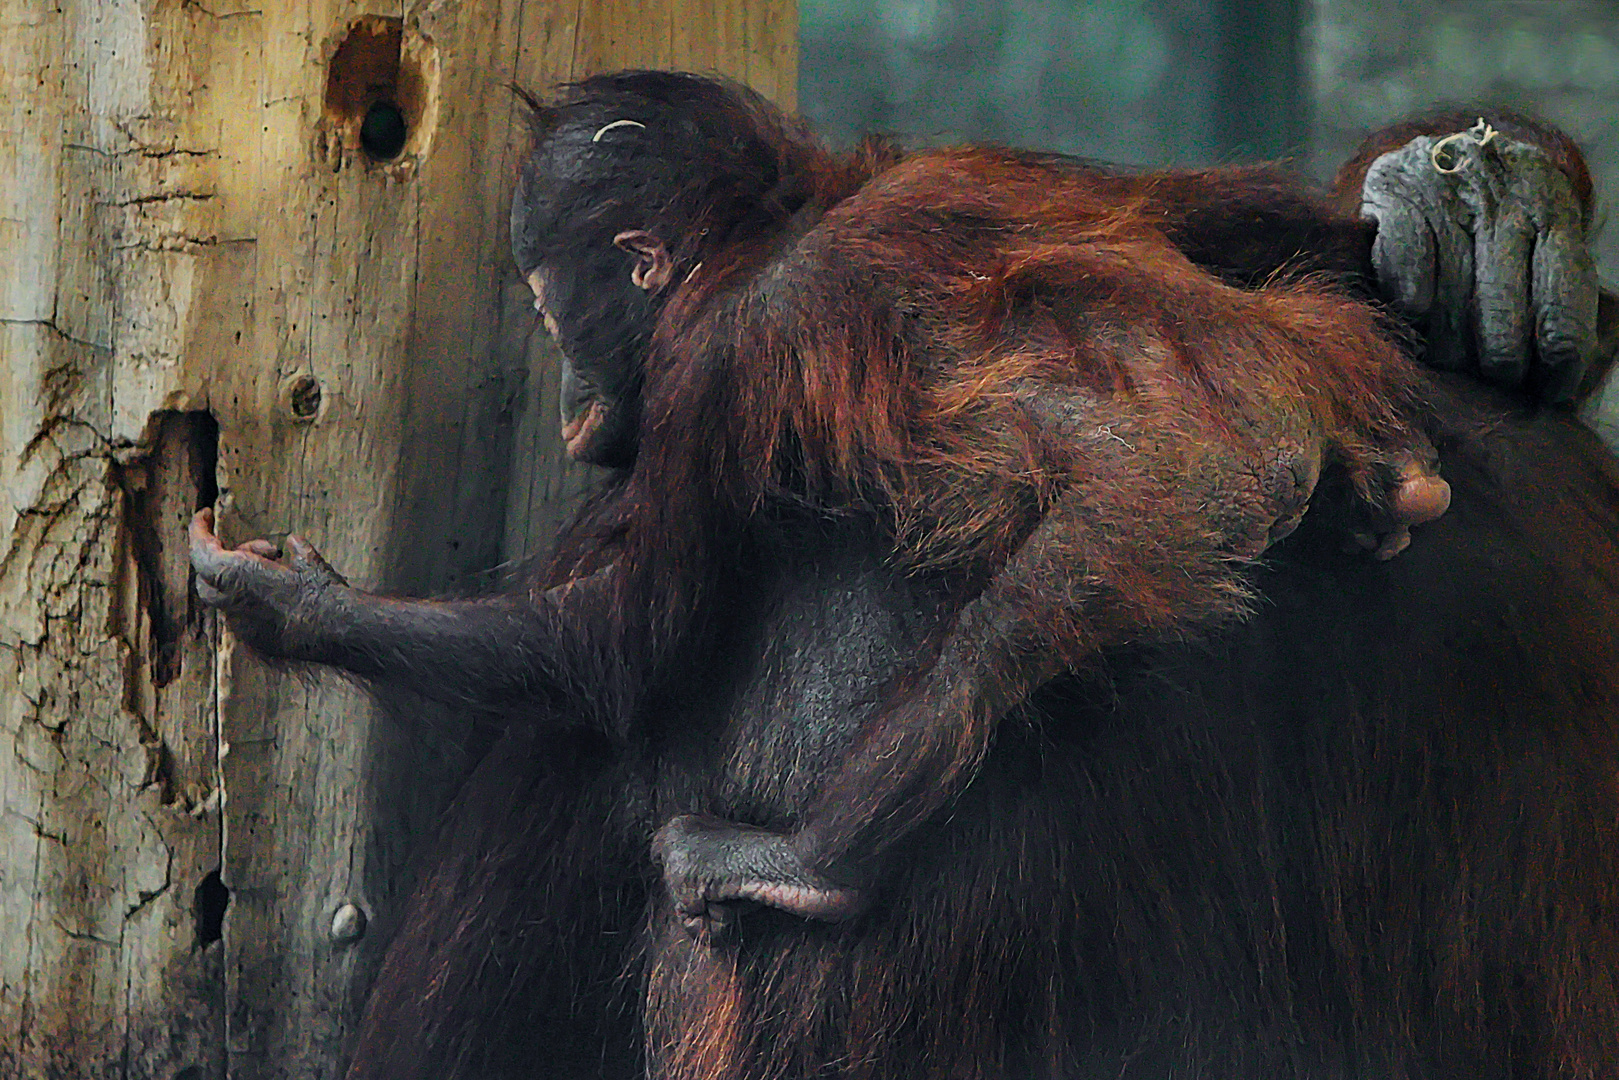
(653, 267)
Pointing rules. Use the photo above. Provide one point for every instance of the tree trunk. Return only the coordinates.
(217, 290)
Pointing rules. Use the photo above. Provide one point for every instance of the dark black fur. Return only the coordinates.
(1372, 832)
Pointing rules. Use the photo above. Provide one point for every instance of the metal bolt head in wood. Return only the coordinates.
(348, 925)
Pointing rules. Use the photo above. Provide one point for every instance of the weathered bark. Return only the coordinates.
(213, 291)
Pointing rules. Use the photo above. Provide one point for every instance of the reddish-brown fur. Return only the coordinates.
(902, 356)
(923, 312)
(919, 435)
(894, 370)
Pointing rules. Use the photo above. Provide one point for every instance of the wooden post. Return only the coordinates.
(255, 254)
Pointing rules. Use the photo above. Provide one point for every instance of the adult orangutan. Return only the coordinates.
(920, 640)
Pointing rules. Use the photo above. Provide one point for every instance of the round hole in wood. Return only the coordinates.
(383, 131)
(301, 397)
(381, 96)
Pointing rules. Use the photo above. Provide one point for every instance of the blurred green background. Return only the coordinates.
(1131, 80)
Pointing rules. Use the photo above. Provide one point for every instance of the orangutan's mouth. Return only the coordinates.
(578, 432)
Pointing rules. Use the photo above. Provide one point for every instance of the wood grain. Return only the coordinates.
(187, 237)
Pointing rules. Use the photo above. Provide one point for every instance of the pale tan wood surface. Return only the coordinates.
(188, 231)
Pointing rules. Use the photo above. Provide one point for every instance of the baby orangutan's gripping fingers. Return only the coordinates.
(1392, 492)
(271, 594)
(713, 867)
(1377, 492)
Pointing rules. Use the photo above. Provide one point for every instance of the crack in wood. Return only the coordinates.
(160, 488)
(161, 197)
(50, 324)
